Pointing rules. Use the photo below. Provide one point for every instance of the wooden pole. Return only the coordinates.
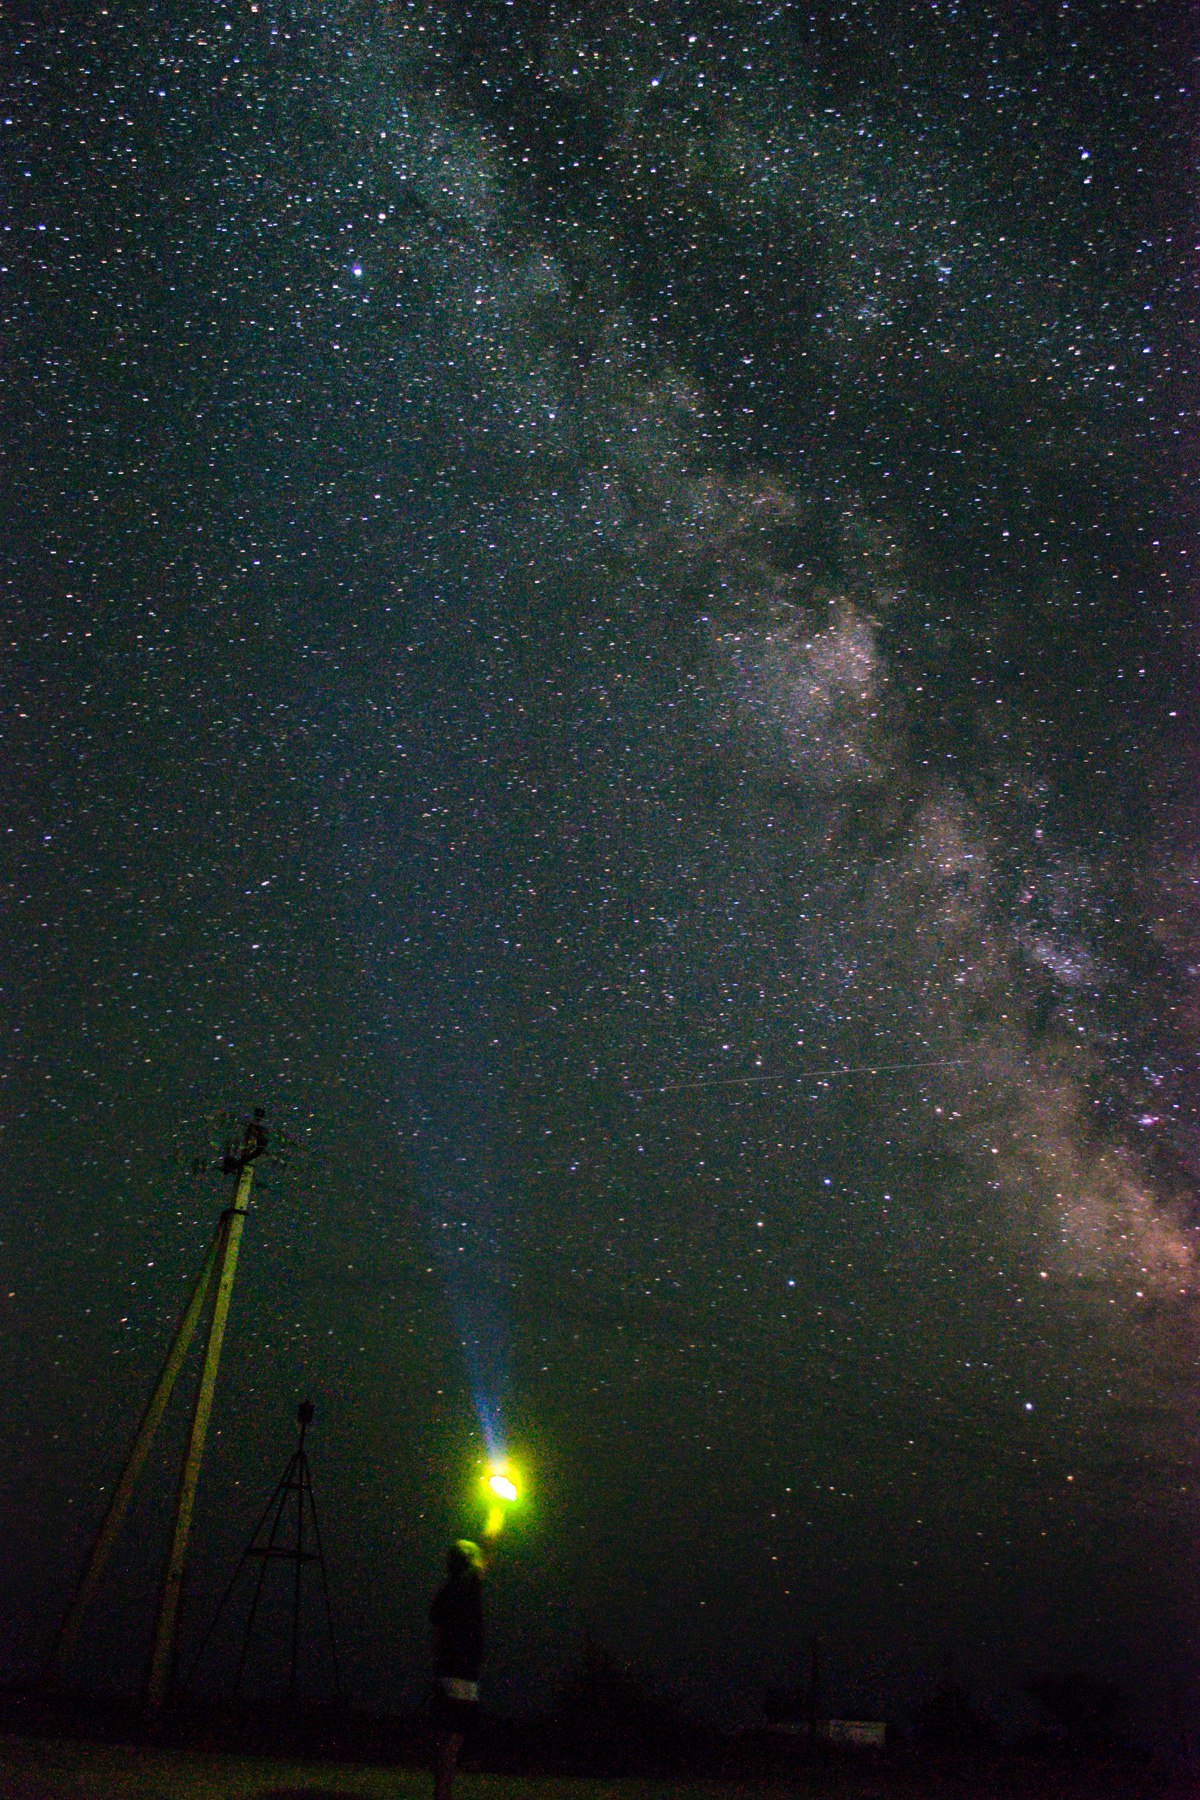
(162, 1657)
(118, 1506)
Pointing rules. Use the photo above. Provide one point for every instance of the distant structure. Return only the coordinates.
(799, 1713)
(860, 1734)
(853, 1734)
(293, 1494)
(213, 1284)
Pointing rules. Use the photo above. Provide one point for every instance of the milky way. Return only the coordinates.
(602, 619)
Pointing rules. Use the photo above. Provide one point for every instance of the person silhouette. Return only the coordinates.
(456, 1619)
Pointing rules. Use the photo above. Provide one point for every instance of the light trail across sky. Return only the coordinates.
(680, 1087)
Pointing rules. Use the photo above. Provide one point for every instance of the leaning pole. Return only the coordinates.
(162, 1656)
(214, 1281)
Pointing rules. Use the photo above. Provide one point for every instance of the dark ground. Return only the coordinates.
(41, 1770)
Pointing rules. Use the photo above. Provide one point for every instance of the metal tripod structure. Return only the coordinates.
(215, 1281)
(305, 1547)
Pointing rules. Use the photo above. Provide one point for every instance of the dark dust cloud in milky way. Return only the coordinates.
(601, 618)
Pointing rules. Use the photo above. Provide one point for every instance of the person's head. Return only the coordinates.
(464, 1558)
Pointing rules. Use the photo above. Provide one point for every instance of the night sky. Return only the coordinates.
(600, 616)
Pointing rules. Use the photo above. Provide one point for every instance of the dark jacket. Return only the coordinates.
(457, 1619)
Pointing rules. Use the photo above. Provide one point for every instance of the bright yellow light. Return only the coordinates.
(502, 1489)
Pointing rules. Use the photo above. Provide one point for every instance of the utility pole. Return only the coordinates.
(218, 1269)
(122, 1494)
(162, 1656)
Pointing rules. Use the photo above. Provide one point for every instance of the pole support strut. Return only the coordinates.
(162, 1656)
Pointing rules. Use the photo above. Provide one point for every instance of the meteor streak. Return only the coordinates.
(680, 1087)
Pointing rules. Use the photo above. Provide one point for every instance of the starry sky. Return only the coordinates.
(601, 611)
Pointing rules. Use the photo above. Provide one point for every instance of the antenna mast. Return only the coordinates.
(270, 1545)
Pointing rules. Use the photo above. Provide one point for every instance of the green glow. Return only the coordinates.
(502, 1489)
